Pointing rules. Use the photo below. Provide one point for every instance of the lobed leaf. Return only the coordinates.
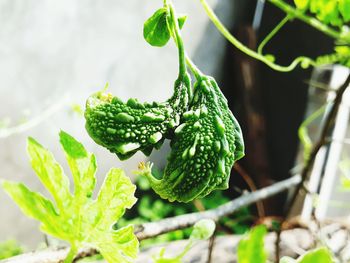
(78, 218)
(49, 172)
(34, 205)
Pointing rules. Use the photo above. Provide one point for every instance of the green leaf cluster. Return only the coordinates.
(78, 218)
(333, 12)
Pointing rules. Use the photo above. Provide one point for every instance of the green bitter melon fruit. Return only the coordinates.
(205, 145)
(125, 128)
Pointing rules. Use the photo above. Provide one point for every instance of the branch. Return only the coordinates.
(153, 229)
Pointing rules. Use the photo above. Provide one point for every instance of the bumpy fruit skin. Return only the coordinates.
(204, 148)
(125, 128)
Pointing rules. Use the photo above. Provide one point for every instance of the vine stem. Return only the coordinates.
(273, 33)
(153, 229)
(234, 41)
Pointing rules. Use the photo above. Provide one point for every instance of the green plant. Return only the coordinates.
(202, 230)
(325, 11)
(205, 137)
(10, 248)
(319, 255)
(78, 218)
(251, 248)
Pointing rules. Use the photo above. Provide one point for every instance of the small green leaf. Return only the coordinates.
(203, 229)
(251, 248)
(301, 4)
(181, 20)
(155, 29)
(320, 255)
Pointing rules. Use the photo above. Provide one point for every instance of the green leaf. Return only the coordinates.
(49, 172)
(251, 248)
(301, 4)
(155, 29)
(181, 20)
(82, 164)
(203, 229)
(320, 255)
(344, 9)
(10, 248)
(34, 205)
(116, 194)
(78, 218)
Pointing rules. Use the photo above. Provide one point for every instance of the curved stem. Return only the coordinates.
(196, 71)
(273, 33)
(303, 133)
(234, 41)
(178, 40)
(175, 34)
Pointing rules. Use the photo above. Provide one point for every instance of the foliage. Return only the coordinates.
(10, 248)
(319, 255)
(202, 230)
(334, 12)
(78, 218)
(251, 248)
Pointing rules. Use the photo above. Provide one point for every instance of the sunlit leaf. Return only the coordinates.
(251, 248)
(78, 218)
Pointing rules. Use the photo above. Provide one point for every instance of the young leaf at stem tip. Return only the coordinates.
(155, 29)
(79, 219)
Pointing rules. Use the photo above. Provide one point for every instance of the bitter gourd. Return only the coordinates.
(203, 150)
(125, 128)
